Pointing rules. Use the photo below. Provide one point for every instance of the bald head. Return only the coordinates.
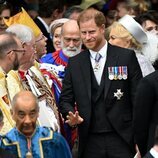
(70, 26)
(8, 42)
(24, 97)
(25, 112)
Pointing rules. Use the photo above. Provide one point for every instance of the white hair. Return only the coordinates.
(23, 32)
(150, 49)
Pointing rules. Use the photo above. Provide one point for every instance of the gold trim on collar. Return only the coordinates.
(14, 143)
(43, 139)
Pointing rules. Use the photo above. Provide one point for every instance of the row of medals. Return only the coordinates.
(117, 72)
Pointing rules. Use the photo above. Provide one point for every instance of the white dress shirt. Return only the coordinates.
(103, 53)
(154, 153)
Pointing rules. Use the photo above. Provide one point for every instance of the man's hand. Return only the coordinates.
(74, 119)
(138, 155)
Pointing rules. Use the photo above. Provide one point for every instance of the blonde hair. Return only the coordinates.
(122, 32)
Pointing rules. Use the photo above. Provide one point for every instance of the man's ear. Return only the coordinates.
(11, 55)
(103, 28)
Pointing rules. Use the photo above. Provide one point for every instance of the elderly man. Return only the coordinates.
(30, 78)
(29, 140)
(56, 62)
(70, 44)
(11, 53)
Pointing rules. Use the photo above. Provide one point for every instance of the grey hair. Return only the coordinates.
(23, 32)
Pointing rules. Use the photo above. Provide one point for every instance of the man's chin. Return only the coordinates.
(28, 133)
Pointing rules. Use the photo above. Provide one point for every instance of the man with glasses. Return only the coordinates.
(30, 78)
(11, 53)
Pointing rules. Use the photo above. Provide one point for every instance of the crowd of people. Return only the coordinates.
(79, 79)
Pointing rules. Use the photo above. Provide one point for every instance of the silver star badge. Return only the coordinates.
(118, 94)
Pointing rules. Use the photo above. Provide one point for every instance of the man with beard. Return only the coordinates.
(102, 82)
(70, 44)
(29, 77)
(29, 140)
(56, 62)
(11, 53)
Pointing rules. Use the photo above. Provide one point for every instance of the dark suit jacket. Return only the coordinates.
(5, 154)
(146, 112)
(49, 42)
(77, 87)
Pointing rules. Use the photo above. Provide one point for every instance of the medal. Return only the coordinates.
(120, 73)
(115, 73)
(118, 94)
(96, 67)
(124, 72)
(29, 154)
(111, 73)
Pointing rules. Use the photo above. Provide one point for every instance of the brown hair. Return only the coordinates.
(90, 14)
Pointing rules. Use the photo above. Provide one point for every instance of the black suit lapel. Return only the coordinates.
(111, 60)
(85, 67)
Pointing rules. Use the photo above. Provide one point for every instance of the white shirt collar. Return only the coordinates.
(154, 153)
(102, 51)
(44, 23)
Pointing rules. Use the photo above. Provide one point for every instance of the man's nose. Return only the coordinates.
(71, 44)
(87, 36)
(27, 119)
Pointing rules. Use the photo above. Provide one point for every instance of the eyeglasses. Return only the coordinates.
(152, 28)
(17, 50)
(43, 37)
(33, 46)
